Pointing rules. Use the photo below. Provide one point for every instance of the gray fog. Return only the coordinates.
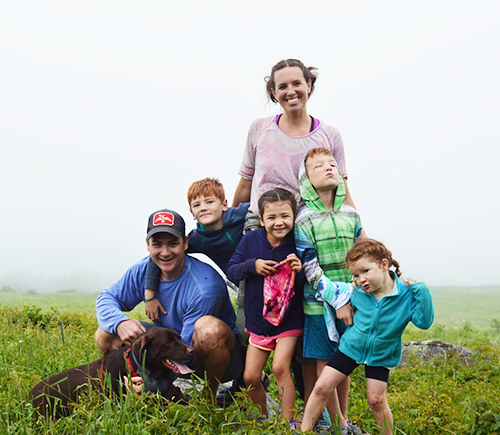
(110, 110)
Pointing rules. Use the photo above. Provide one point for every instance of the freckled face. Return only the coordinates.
(323, 172)
(370, 275)
(208, 210)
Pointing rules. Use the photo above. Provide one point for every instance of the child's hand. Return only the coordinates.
(265, 267)
(135, 386)
(345, 314)
(152, 308)
(153, 305)
(294, 262)
(409, 281)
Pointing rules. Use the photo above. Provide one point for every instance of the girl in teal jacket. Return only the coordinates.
(383, 306)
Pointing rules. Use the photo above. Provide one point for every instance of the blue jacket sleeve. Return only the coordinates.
(423, 311)
(153, 275)
(239, 266)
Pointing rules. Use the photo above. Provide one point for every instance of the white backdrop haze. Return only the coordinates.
(109, 111)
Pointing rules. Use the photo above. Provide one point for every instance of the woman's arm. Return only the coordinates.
(242, 193)
(348, 200)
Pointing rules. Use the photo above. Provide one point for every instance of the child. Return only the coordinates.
(257, 259)
(325, 230)
(383, 306)
(218, 232)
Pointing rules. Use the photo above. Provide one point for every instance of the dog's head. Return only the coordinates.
(162, 349)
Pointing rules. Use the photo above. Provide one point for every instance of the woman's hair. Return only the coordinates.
(276, 195)
(206, 187)
(373, 249)
(310, 74)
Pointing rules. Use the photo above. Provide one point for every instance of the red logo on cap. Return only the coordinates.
(163, 219)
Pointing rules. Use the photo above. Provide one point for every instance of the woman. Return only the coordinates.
(276, 147)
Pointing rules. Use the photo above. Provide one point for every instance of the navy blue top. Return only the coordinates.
(255, 245)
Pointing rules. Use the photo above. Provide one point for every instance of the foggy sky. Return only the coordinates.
(110, 110)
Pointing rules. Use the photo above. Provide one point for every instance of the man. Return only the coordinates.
(193, 294)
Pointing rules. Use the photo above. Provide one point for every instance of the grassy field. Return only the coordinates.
(454, 306)
(446, 397)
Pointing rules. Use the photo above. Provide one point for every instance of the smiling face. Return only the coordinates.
(291, 90)
(168, 253)
(322, 172)
(278, 221)
(371, 276)
(208, 210)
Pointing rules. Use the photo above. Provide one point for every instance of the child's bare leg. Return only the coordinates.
(332, 404)
(323, 390)
(283, 354)
(254, 363)
(376, 395)
(310, 377)
(343, 395)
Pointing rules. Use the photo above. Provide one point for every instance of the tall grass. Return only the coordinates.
(445, 397)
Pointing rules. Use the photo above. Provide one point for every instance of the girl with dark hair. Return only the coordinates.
(267, 260)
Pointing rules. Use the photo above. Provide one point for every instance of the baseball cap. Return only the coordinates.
(166, 221)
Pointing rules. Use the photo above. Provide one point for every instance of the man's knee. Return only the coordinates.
(106, 341)
(209, 332)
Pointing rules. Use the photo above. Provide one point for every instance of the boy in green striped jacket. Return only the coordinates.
(325, 230)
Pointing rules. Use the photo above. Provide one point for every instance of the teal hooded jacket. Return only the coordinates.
(374, 338)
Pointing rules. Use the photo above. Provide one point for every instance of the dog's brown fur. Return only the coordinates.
(54, 396)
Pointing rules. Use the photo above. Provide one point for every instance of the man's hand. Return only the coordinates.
(294, 262)
(129, 329)
(265, 267)
(345, 314)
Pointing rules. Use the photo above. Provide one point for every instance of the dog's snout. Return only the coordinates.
(189, 351)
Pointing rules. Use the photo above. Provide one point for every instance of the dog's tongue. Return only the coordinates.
(183, 368)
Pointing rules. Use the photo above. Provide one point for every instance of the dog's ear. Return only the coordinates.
(141, 344)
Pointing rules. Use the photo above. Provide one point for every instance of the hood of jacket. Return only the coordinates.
(310, 197)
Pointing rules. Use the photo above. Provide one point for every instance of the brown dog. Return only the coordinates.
(156, 356)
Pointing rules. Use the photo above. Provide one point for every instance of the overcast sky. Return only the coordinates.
(109, 110)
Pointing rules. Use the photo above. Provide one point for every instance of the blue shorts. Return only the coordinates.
(317, 344)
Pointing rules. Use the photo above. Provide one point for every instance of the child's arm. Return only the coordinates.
(152, 304)
(423, 311)
(336, 296)
(242, 264)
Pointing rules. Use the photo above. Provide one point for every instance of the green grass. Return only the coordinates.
(477, 305)
(441, 398)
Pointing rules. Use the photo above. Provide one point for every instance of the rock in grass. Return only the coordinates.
(431, 349)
